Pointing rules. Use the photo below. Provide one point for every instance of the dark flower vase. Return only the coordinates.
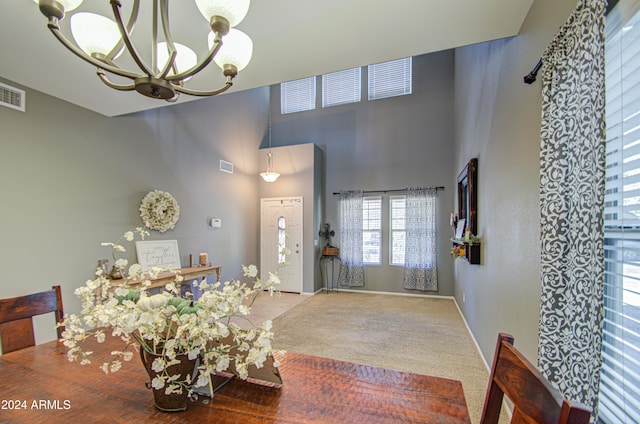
(173, 402)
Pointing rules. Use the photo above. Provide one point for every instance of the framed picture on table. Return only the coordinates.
(163, 253)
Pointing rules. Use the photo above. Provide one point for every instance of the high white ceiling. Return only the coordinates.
(292, 39)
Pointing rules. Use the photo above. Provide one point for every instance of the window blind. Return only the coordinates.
(371, 229)
(388, 79)
(298, 95)
(341, 87)
(619, 400)
(398, 206)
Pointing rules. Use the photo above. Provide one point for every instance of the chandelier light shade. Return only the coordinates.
(233, 10)
(269, 175)
(94, 34)
(185, 57)
(69, 5)
(236, 50)
(100, 40)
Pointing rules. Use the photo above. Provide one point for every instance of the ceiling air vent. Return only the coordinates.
(12, 97)
(226, 166)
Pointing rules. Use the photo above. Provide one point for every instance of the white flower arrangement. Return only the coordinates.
(159, 210)
(168, 325)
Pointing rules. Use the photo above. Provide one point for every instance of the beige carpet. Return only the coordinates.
(414, 334)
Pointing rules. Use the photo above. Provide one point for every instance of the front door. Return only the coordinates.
(281, 241)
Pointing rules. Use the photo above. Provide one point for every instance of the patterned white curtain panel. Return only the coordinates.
(352, 270)
(572, 178)
(420, 271)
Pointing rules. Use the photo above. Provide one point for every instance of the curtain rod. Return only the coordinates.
(390, 191)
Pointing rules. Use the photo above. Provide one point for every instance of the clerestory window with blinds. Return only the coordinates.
(342, 87)
(389, 79)
(619, 397)
(298, 95)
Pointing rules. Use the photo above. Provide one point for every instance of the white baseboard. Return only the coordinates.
(486, 364)
(505, 404)
(433, 296)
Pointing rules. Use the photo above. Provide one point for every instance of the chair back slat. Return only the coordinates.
(16, 308)
(16, 335)
(16, 323)
(526, 387)
(535, 400)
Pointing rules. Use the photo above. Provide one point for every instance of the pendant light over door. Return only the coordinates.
(269, 175)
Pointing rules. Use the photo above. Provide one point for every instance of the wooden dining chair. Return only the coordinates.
(16, 317)
(534, 399)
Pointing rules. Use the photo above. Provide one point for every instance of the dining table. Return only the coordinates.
(39, 385)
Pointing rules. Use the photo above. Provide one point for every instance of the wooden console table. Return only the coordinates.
(189, 273)
(40, 385)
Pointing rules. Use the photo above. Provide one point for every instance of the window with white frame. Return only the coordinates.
(371, 229)
(620, 374)
(341, 87)
(298, 95)
(389, 79)
(397, 213)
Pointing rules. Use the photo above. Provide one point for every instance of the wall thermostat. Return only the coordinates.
(216, 222)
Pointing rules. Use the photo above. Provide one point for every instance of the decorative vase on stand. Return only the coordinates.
(175, 401)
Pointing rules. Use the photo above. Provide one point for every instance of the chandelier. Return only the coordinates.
(100, 41)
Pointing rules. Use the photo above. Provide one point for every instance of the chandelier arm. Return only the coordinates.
(170, 64)
(130, 25)
(115, 5)
(164, 14)
(227, 85)
(105, 80)
(217, 44)
(55, 29)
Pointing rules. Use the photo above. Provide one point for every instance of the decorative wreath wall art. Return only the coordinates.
(159, 210)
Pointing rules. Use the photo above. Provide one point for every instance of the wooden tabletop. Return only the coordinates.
(38, 384)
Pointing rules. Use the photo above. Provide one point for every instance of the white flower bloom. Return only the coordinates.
(157, 383)
(155, 271)
(121, 263)
(135, 271)
(250, 271)
(223, 363)
(115, 365)
(158, 364)
(128, 236)
(273, 278)
(203, 379)
(122, 291)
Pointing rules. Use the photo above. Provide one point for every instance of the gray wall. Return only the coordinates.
(497, 120)
(385, 144)
(71, 179)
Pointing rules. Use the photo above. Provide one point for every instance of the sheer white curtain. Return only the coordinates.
(352, 271)
(420, 271)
